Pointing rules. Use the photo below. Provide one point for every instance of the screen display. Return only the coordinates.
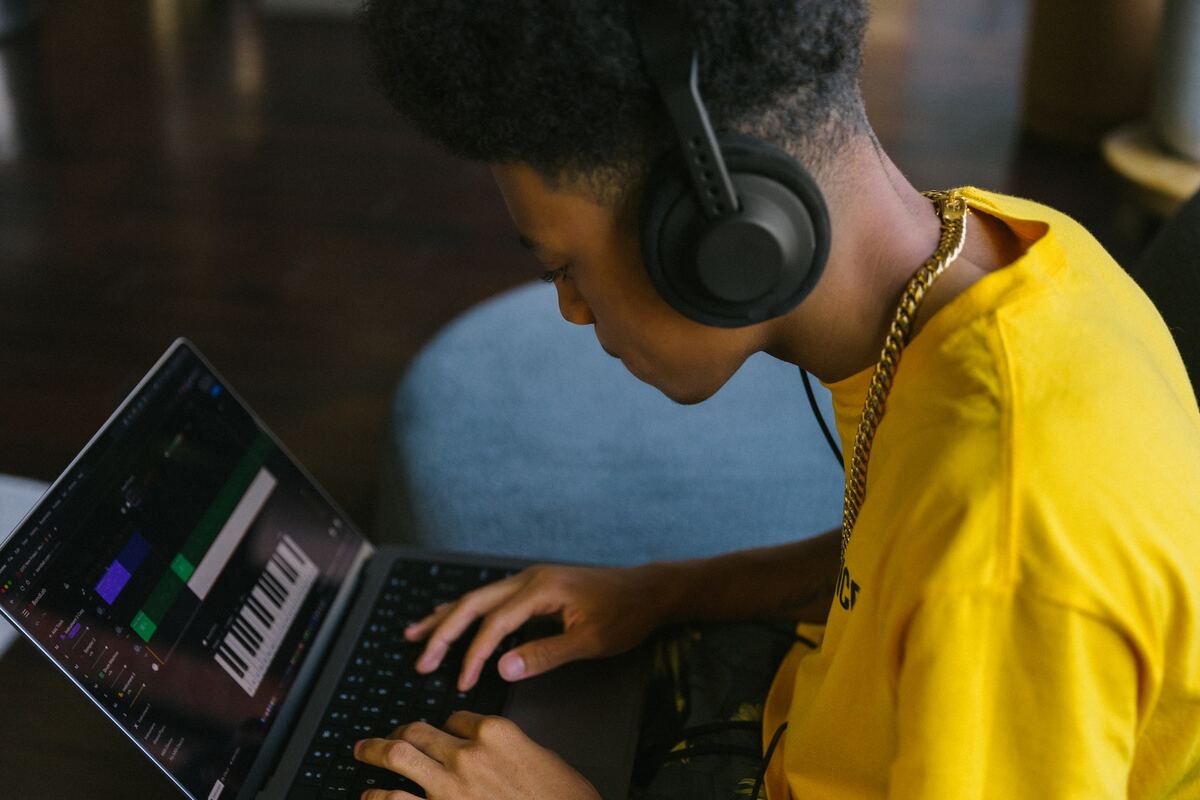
(179, 573)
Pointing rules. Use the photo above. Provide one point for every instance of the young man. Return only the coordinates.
(1015, 614)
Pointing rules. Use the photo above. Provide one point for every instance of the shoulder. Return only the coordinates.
(1041, 432)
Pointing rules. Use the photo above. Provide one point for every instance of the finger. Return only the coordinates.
(543, 655)
(447, 630)
(464, 724)
(431, 741)
(469, 608)
(496, 625)
(491, 730)
(416, 631)
(384, 794)
(402, 758)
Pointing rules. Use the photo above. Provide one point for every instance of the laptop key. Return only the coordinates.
(344, 766)
(388, 781)
(331, 735)
(319, 755)
(311, 774)
(463, 700)
(380, 689)
(304, 793)
(377, 777)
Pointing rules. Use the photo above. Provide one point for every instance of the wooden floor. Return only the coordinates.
(179, 167)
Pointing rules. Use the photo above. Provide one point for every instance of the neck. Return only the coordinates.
(883, 231)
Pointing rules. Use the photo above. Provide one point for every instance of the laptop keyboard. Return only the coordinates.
(380, 688)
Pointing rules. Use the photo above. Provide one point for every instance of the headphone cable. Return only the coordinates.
(812, 401)
(766, 761)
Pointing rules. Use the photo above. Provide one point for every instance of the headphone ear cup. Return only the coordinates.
(741, 268)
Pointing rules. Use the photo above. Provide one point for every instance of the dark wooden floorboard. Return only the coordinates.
(192, 168)
(238, 181)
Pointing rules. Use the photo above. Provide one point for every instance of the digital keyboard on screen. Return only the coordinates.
(380, 689)
(263, 620)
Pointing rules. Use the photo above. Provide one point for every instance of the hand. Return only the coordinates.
(604, 611)
(475, 758)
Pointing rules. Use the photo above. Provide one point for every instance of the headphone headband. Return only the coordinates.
(674, 69)
(723, 248)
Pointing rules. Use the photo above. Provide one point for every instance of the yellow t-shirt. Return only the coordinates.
(1019, 615)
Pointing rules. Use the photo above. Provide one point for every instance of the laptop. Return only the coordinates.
(189, 577)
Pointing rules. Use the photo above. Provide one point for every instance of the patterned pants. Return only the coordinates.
(701, 735)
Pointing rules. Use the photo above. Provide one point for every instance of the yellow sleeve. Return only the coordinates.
(1003, 696)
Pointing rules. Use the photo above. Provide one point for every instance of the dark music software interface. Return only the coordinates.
(179, 574)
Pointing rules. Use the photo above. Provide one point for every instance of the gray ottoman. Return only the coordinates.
(513, 433)
(17, 496)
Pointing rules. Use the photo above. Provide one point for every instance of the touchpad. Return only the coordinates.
(588, 712)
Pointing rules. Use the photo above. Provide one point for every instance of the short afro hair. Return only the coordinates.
(560, 84)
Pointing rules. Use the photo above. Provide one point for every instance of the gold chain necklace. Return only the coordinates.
(952, 208)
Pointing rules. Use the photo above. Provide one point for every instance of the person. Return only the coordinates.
(1015, 613)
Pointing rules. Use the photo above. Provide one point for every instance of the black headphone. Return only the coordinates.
(733, 230)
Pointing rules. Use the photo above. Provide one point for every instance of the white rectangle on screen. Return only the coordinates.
(232, 533)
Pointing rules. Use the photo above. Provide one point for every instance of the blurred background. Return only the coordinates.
(224, 171)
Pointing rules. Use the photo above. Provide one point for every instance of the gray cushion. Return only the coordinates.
(17, 496)
(513, 432)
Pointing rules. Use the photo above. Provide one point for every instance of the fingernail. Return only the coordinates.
(432, 656)
(512, 666)
(357, 746)
(467, 679)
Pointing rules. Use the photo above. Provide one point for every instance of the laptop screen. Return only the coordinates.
(179, 572)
